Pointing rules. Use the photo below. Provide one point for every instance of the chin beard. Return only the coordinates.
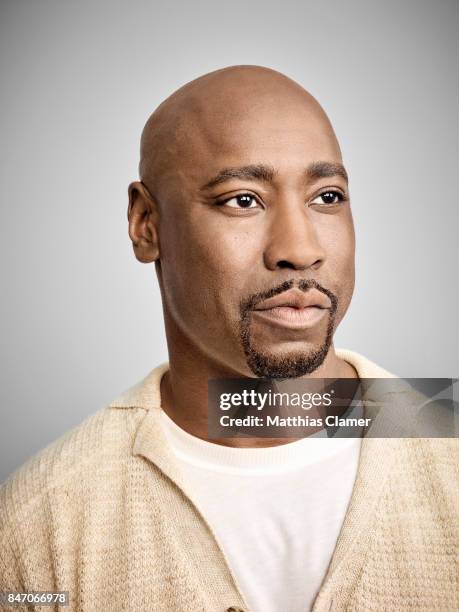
(294, 365)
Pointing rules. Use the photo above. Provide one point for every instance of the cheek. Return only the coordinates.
(204, 266)
(341, 264)
(336, 235)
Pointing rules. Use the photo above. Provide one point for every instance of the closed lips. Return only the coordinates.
(297, 299)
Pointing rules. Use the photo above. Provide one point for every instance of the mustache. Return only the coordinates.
(249, 303)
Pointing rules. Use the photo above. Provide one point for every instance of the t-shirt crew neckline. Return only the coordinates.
(262, 460)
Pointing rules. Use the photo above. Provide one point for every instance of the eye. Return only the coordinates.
(328, 197)
(245, 200)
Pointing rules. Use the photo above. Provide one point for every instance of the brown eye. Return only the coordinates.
(328, 197)
(244, 200)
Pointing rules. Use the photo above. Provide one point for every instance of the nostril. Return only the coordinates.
(283, 263)
(316, 264)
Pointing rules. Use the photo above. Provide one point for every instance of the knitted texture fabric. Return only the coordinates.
(105, 514)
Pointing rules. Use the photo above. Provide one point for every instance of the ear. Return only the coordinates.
(143, 217)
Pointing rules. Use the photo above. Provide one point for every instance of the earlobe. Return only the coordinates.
(143, 223)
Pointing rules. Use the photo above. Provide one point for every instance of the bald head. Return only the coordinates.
(215, 110)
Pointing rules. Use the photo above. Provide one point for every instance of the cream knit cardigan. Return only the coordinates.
(105, 514)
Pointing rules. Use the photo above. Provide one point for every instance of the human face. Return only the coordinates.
(256, 242)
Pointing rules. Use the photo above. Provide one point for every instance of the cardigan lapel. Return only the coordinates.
(377, 456)
(150, 442)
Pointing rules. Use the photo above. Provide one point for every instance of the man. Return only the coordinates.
(243, 205)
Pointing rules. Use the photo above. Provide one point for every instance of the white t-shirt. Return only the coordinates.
(276, 511)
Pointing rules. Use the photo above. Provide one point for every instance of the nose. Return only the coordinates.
(293, 241)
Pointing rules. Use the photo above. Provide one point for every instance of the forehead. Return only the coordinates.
(285, 134)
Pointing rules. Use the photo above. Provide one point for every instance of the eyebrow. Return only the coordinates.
(262, 172)
(259, 172)
(323, 169)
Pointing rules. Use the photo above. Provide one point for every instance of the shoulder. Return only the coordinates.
(441, 456)
(364, 366)
(76, 487)
(423, 485)
(436, 456)
(102, 439)
(93, 450)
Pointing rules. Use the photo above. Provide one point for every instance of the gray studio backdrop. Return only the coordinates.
(81, 318)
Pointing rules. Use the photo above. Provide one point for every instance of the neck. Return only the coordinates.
(184, 389)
